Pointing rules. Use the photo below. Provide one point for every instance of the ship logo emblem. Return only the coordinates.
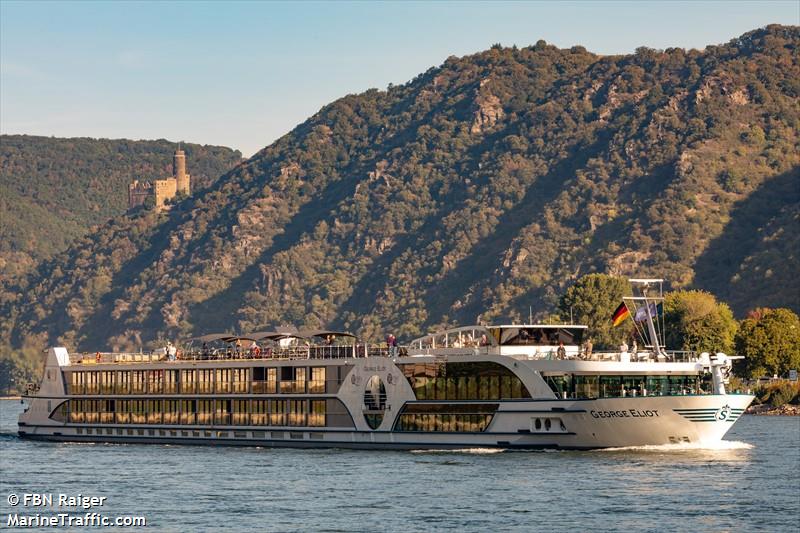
(724, 413)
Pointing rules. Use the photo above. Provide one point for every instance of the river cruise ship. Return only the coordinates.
(527, 386)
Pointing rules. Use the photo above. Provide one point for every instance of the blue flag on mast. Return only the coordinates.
(653, 310)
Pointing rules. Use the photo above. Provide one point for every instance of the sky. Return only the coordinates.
(242, 74)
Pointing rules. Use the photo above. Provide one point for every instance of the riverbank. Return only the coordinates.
(769, 410)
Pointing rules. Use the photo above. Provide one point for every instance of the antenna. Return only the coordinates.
(530, 314)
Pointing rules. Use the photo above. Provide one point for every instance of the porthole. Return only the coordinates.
(538, 424)
(547, 424)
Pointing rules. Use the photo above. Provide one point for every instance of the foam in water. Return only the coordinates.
(475, 451)
(685, 446)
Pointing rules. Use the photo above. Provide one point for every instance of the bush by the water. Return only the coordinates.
(779, 393)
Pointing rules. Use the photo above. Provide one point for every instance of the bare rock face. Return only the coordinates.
(487, 112)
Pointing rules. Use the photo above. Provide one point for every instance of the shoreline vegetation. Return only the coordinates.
(775, 397)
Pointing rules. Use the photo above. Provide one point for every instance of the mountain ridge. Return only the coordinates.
(473, 191)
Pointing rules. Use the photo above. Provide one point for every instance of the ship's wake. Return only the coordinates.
(471, 451)
(685, 446)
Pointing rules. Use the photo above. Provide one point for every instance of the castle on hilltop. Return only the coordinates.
(161, 190)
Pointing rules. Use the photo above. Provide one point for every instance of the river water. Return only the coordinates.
(748, 483)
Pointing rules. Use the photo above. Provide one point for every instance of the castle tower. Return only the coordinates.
(179, 172)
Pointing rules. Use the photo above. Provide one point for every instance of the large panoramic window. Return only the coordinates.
(154, 411)
(107, 382)
(77, 383)
(205, 411)
(171, 412)
(621, 386)
(138, 381)
(122, 382)
(92, 382)
(240, 380)
(317, 383)
(450, 418)
(277, 412)
(316, 415)
(258, 412)
(155, 381)
(297, 412)
(123, 413)
(221, 411)
(223, 381)
(171, 381)
(464, 381)
(205, 381)
(187, 382)
(188, 411)
(293, 379)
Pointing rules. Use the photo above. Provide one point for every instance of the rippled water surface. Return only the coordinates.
(749, 483)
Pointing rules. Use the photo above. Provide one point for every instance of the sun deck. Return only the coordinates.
(287, 353)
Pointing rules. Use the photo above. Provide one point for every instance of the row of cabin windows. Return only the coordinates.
(257, 380)
(195, 412)
(579, 386)
(464, 381)
(453, 422)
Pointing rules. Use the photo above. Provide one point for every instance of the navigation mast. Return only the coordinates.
(644, 303)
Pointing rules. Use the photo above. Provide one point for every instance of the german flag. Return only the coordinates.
(620, 315)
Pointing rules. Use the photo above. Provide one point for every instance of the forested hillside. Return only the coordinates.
(480, 188)
(53, 190)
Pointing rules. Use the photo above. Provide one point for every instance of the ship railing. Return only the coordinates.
(675, 356)
(115, 357)
(282, 353)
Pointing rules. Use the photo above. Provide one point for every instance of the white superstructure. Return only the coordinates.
(507, 386)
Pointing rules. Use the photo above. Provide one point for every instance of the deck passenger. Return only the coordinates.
(484, 340)
(587, 351)
(391, 342)
(624, 356)
(173, 351)
(561, 352)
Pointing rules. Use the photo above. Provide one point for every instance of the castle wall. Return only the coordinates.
(138, 192)
(162, 190)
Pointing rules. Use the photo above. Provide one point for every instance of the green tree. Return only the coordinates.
(769, 339)
(694, 320)
(592, 301)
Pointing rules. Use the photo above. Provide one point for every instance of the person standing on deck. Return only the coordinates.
(172, 351)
